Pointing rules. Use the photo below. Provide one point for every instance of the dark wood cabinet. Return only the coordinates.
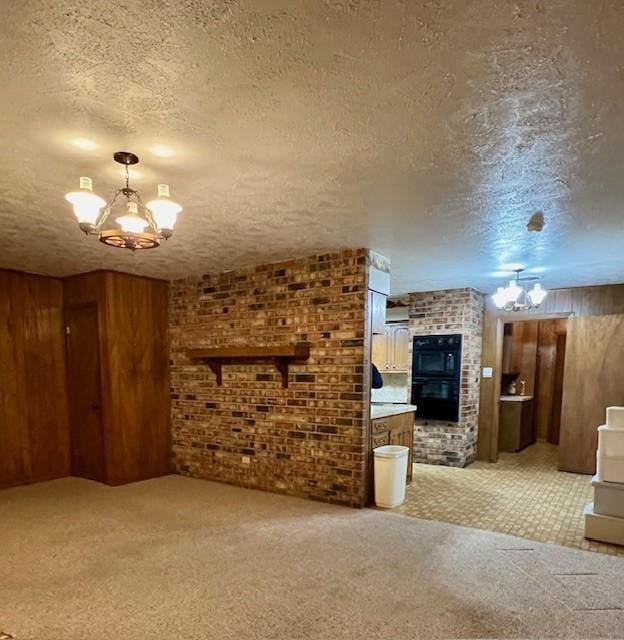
(516, 425)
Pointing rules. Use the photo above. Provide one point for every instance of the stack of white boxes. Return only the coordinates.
(604, 518)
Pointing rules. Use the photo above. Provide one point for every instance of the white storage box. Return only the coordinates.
(611, 442)
(603, 528)
(609, 468)
(390, 475)
(608, 498)
(615, 417)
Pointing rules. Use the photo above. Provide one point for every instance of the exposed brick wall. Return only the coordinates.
(448, 312)
(309, 439)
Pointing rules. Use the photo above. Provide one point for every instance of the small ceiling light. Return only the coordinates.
(162, 150)
(85, 144)
(138, 228)
(515, 297)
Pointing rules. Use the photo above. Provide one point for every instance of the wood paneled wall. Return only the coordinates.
(134, 357)
(139, 420)
(523, 356)
(531, 352)
(34, 423)
(581, 301)
(544, 392)
(593, 381)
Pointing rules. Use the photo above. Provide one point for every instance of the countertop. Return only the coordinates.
(383, 409)
(516, 398)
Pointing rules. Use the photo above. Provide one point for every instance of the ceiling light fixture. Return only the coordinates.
(516, 297)
(141, 226)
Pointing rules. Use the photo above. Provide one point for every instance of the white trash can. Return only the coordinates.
(390, 475)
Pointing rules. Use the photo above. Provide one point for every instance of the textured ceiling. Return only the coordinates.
(427, 130)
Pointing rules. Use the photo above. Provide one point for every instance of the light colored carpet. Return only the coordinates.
(187, 559)
(523, 494)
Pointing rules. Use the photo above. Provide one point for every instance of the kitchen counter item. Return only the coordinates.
(384, 410)
(515, 398)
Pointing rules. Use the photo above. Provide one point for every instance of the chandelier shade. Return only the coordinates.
(85, 203)
(164, 210)
(139, 226)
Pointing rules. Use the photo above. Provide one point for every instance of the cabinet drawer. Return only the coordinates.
(377, 426)
(379, 440)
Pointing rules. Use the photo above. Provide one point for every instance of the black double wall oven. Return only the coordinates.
(436, 376)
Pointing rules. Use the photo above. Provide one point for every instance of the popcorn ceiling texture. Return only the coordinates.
(310, 439)
(430, 131)
(447, 312)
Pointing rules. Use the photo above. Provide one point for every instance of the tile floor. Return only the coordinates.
(523, 495)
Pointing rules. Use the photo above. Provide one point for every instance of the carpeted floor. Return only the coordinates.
(523, 494)
(181, 558)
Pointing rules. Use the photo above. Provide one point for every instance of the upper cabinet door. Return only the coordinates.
(400, 348)
(381, 352)
(378, 312)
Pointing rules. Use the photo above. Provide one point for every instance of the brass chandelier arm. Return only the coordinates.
(97, 227)
(148, 214)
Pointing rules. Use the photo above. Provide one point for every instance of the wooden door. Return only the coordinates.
(85, 395)
(400, 349)
(555, 417)
(594, 364)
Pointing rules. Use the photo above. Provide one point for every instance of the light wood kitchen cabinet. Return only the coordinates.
(400, 348)
(390, 349)
(378, 311)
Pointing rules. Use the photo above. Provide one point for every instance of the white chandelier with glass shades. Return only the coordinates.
(516, 297)
(139, 226)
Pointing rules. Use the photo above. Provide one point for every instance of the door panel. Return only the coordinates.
(83, 359)
(380, 355)
(555, 419)
(378, 312)
(594, 363)
(400, 348)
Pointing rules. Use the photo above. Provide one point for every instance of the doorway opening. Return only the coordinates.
(531, 390)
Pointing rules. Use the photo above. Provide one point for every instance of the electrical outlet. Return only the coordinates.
(246, 460)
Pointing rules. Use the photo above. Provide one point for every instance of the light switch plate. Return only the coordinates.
(487, 372)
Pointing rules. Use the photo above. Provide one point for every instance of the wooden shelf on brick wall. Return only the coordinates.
(280, 355)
